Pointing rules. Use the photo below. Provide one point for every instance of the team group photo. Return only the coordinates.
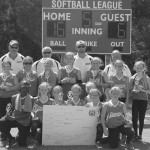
(74, 74)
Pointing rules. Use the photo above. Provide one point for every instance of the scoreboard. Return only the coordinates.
(103, 25)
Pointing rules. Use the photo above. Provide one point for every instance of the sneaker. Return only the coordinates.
(139, 138)
(3, 137)
(123, 138)
(134, 139)
(129, 146)
(15, 145)
(98, 145)
(33, 144)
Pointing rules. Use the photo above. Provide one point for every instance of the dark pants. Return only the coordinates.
(115, 132)
(138, 113)
(35, 124)
(23, 130)
(3, 104)
(99, 135)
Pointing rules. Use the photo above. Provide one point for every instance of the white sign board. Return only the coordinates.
(69, 125)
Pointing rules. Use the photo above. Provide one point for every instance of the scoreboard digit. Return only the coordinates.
(117, 30)
(87, 19)
(56, 29)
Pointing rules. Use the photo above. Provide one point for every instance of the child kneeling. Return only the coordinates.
(37, 115)
(114, 117)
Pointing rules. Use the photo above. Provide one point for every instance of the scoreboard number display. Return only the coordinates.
(103, 25)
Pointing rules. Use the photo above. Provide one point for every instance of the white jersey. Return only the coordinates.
(38, 66)
(111, 71)
(83, 64)
(16, 64)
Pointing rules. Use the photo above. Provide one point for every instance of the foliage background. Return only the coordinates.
(21, 20)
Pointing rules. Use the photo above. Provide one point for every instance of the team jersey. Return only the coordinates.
(61, 102)
(110, 70)
(95, 76)
(7, 81)
(32, 78)
(71, 102)
(72, 74)
(22, 117)
(50, 77)
(83, 64)
(115, 114)
(38, 66)
(38, 106)
(16, 64)
(121, 83)
(137, 94)
(98, 111)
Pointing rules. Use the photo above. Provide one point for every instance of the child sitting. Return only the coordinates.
(114, 118)
(94, 97)
(58, 95)
(48, 75)
(74, 96)
(37, 118)
(88, 86)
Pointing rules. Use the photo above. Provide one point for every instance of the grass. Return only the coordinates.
(145, 145)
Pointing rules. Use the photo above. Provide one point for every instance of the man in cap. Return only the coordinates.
(14, 57)
(82, 60)
(20, 114)
(38, 66)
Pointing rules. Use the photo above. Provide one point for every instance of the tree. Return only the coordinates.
(21, 20)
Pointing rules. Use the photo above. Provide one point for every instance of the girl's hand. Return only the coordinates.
(7, 88)
(9, 117)
(128, 123)
(87, 105)
(65, 80)
(90, 104)
(72, 80)
(97, 82)
(2, 87)
(140, 87)
(106, 132)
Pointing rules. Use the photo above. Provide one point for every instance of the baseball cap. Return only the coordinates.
(13, 42)
(80, 42)
(46, 49)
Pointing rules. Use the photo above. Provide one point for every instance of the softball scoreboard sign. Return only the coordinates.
(103, 24)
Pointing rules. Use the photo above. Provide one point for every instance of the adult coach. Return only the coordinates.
(38, 66)
(110, 69)
(82, 60)
(14, 57)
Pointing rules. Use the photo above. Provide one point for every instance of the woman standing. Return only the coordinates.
(140, 86)
(29, 75)
(8, 87)
(110, 69)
